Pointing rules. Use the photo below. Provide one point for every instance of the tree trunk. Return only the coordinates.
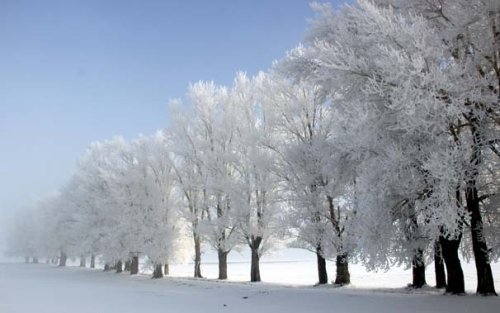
(83, 261)
(222, 255)
(62, 260)
(197, 255)
(166, 269)
(134, 266)
(343, 277)
(35, 260)
(119, 266)
(107, 267)
(485, 282)
(322, 273)
(158, 272)
(455, 283)
(255, 267)
(439, 266)
(418, 269)
(127, 266)
(92, 261)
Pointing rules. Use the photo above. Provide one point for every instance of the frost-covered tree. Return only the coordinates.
(255, 185)
(318, 193)
(153, 186)
(348, 57)
(57, 224)
(89, 224)
(189, 175)
(214, 127)
(106, 167)
(130, 186)
(224, 171)
(468, 31)
(411, 94)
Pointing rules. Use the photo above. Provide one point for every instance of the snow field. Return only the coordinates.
(42, 288)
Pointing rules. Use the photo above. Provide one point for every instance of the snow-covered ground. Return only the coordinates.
(44, 288)
(298, 268)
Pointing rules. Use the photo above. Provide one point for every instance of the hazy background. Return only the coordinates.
(72, 72)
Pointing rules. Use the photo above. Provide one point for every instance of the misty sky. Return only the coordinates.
(72, 72)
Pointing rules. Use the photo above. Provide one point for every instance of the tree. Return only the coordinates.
(404, 85)
(319, 193)
(215, 129)
(189, 175)
(254, 188)
(153, 181)
(469, 33)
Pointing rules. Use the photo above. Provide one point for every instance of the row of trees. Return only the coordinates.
(376, 141)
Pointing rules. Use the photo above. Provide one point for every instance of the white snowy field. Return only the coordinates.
(44, 288)
(297, 267)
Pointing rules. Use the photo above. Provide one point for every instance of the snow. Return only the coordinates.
(45, 288)
(297, 267)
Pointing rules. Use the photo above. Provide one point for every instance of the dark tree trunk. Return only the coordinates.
(166, 269)
(255, 265)
(418, 269)
(197, 255)
(455, 283)
(439, 266)
(55, 260)
(127, 266)
(222, 255)
(92, 261)
(35, 260)
(485, 282)
(158, 272)
(412, 231)
(62, 260)
(343, 277)
(26, 259)
(322, 273)
(134, 266)
(107, 267)
(83, 261)
(119, 266)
